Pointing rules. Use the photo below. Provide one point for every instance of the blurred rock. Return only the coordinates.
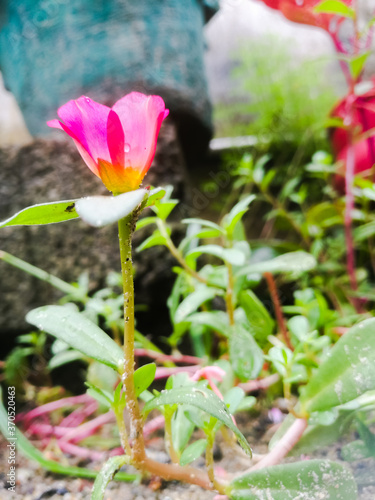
(13, 129)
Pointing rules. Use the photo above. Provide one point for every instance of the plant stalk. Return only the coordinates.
(176, 253)
(210, 464)
(126, 229)
(278, 311)
(284, 446)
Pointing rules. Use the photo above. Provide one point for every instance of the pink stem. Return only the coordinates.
(349, 207)
(79, 415)
(167, 357)
(153, 425)
(80, 452)
(77, 434)
(256, 385)
(166, 372)
(45, 430)
(283, 447)
(340, 330)
(55, 405)
(214, 388)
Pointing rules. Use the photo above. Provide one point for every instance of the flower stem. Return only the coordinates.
(126, 228)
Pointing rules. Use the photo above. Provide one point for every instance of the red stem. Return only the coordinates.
(256, 385)
(54, 405)
(349, 207)
(167, 372)
(167, 357)
(283, 447)
(278, 311)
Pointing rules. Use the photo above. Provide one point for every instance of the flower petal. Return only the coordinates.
(119, 179)
(115, 139)
(87, 120)
(87, 158)
(141, 117)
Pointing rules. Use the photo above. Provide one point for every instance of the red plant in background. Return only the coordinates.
(357, 112)
(302, 11)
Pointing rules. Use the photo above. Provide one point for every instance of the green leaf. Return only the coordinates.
(101, 395)
(192, 302)
(143, 377)
(155, 195)
(236, 214)
(29, 451)
(44, 213)
(79, 332)
(346, 373)
(203, 399)
(245, 355)
(165, 206)
(231, 255)
(311, 479)
(260, 321)
(106, 475)
(356, 64)
(182, 429)
(64, 357)
(145, 221)
(335, 7)
(152, 241)
(193, 451)
(216, 320)
(99, 211)
(233, 399)
(204, 223)
(292, 262)
(356, 450)
(364, 231)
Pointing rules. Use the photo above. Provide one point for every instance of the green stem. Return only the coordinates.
(168, 438)
(210, 464)
(119, 414)
(126, 228)
(280, 207)
(58, 283)
(176, 253)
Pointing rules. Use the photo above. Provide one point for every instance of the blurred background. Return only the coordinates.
(242, 41)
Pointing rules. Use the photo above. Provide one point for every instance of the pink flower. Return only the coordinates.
(117, 144)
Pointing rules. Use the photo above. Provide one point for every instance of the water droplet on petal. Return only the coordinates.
(127, 148)
(88, 99)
